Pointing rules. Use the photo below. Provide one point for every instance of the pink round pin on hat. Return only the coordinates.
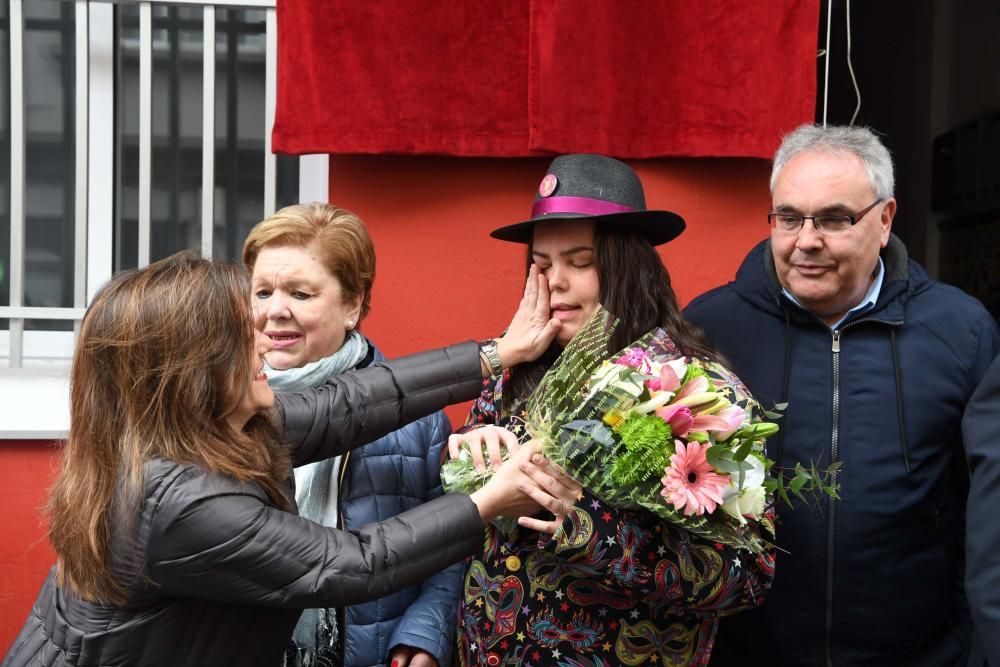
(548, 185)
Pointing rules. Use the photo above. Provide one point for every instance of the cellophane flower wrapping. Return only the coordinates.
(651, 429)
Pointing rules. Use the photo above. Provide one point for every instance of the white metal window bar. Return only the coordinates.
(94, 181)
(16, 22)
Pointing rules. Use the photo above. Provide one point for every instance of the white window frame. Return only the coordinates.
(34, 365)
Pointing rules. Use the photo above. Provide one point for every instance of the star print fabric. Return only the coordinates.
(619, 587)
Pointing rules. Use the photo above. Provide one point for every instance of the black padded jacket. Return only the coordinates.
(216, 574)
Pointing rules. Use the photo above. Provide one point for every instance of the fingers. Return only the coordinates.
(531, 288)
(454, 445)
(510, 440)
(496, 439)
(407, 656)
(541, 305)
(493, 438)
(423, 659)
(401, 656)
(476, 451)
(471, 441)
(539, 525)
(551, 329)
(492, 441)
(544, 499)
(559, 486)
(563, 486)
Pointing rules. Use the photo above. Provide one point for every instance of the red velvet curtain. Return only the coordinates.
(629, 78)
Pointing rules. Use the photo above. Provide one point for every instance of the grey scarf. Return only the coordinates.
(315, 484)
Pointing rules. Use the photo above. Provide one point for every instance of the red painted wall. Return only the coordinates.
(27, 467)
(440, 279)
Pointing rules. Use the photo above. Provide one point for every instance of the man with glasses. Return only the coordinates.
(875, 361)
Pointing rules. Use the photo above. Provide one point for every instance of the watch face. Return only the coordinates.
(489, 350)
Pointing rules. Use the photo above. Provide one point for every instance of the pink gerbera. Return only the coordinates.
(690, 484)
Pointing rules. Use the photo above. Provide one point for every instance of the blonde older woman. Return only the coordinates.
(313, 267)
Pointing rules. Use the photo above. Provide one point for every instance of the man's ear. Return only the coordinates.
(888, 213)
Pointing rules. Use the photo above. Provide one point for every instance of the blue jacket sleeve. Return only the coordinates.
(429, 623)
(981, 437)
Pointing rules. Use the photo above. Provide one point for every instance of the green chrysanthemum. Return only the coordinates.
(647, 441)
(694, 371)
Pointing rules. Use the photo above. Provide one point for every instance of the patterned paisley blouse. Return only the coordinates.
(619, 587)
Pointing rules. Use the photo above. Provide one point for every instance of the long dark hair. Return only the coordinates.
(635, 287)
(159, 353)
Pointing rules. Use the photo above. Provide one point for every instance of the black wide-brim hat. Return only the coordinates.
(597, 188)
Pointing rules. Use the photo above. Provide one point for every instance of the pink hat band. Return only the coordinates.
(576, 205)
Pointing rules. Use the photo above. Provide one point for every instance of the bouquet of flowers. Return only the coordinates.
(652, 429)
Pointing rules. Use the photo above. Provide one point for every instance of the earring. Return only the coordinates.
(350, 325)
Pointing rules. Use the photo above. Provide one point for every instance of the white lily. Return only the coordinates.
(747, 499)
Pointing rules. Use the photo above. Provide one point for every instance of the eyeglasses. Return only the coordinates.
(791, 223)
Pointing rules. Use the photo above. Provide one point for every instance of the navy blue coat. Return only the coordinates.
(395, 473)
(981, 430)
(875, 578)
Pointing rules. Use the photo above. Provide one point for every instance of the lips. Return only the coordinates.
(564, 311)
(811, 269)
(283, 339)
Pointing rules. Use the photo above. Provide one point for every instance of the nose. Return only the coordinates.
(276, 307)
(557, 277)
(808, 238)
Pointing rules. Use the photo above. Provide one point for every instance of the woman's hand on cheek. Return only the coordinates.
(533, 328)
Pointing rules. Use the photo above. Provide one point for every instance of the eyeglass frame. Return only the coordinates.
(853, 219)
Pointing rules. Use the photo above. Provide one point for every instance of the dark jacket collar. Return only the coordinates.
(757, 282)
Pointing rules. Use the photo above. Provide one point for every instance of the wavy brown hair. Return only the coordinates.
(160, 352)
(635, 287)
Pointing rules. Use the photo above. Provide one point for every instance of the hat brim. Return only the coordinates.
(657, 227)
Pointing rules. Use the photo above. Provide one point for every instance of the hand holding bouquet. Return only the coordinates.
(652, 429)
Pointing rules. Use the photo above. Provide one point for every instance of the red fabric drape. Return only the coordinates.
(629, 78)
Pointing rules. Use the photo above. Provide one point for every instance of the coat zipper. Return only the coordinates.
(834, 457)
(834, 451)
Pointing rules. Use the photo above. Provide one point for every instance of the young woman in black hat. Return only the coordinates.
(625, 586)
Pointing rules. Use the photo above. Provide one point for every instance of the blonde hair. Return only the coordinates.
(343, 243)
(160, 351)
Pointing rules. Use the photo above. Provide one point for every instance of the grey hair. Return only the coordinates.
(859, 141)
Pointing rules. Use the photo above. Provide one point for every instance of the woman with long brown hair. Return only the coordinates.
(173, 517)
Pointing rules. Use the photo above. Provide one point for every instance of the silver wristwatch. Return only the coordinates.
(488, 351)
